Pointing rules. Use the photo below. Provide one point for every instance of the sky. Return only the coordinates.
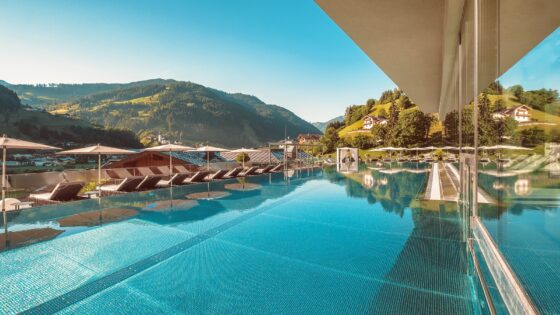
(540, 68)
(288, 52)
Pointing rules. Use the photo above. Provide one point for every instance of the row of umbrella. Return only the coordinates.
(99, 150)
(431, 148)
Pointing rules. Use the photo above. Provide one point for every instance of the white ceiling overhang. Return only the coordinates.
(415, 41)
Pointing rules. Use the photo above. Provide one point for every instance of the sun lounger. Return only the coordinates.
(61, 192)
(196, 177)
(123, 173)
(264, 170)
(145, 171)
(177, 180)
(277, 168)
(155, 170)
(164, 170)
(218, 175)
(13, 204)
(112, 174)
(233, 173)
(181, 169)
(249, 171)
(126, 185)
(149, 182)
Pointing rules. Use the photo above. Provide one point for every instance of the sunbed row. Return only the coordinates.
(67, 191)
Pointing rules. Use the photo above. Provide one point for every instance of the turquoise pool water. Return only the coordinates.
(318, 242)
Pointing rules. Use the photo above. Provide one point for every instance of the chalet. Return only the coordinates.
(370, 121)
(308, 138)
(519, 113)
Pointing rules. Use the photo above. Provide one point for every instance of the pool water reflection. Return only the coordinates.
(526, 228)
(318, 242)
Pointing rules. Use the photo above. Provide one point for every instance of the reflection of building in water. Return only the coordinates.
(498, 185)
(522, 187)
(368, 181)
(383, 181)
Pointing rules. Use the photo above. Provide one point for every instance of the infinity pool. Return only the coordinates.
(316, 242)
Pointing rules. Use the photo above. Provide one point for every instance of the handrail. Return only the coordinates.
(512, 292)
(482, 280)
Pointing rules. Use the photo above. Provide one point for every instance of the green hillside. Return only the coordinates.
(358, 125)
(23, 122)
(188, 112)
(41, 95)
(538, 117)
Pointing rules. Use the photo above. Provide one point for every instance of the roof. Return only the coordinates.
(417, 46)
(375, 118)
(310, 136)
(511, 110)
(197, 158)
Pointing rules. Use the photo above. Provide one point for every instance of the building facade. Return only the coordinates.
(370, 121)
(459, 48)
(519, 113)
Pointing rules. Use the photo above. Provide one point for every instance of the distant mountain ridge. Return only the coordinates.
(23, 122)
(41, 95)
(177, 110)
(323, 125)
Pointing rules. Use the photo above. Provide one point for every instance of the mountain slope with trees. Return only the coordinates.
(24, 122)
(406, 124)
(544, 108)
(42, 95)
(186, 112)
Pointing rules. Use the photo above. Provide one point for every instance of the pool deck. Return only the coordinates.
(444, 184)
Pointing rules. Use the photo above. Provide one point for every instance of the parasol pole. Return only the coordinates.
(4, 179)
(99, 174)
(170, 169)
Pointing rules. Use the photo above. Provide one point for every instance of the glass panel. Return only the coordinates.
(518, 160)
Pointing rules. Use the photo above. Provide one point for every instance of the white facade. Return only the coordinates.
(370, 121)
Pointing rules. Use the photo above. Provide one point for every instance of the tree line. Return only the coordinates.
(408, 126)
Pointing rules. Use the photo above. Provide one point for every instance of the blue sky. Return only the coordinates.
(285, 52)
(540, 68)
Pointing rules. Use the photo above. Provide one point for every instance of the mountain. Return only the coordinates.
(323, 125)
(41, 95)
(177, 110)
(27, 123)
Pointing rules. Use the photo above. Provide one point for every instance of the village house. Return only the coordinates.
(519, 113)
(370, 121)
(308, 138)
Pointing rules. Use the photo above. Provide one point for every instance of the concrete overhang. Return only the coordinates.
(415, 41)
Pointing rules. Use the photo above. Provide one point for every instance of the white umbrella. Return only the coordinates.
(243, 150)
(170, 148)
(209, 149)
(450, 148)
(10, 143)
(506, 147)
(97, 150)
